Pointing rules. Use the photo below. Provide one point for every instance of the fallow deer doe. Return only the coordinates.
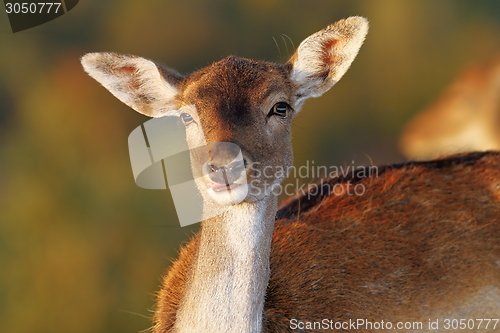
(422, 245)
(465, 117)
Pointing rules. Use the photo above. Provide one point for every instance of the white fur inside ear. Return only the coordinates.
(137, 82)
(324, 57)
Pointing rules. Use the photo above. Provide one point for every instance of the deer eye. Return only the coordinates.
(280, 109)
(186, 118)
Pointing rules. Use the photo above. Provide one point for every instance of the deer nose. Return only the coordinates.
(226, 174)
(226, 163)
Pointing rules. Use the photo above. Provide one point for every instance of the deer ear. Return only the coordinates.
(322, 58)
(146, 87)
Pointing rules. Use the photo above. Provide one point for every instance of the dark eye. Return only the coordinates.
(186, 118)
(280, 109)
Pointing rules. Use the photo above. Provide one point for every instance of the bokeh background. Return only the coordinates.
(82, 248)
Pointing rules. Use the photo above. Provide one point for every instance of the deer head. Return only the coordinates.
(247, 103)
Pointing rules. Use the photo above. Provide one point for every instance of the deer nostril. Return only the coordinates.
(220, 175)
(236, 168)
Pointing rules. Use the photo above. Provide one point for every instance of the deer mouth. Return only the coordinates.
(227, 194)
(218, 187)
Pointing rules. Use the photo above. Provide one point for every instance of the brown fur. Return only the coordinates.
(421, 243)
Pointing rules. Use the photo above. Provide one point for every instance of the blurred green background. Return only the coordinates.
(82, 248)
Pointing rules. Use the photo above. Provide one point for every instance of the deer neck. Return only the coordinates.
(227, 283)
